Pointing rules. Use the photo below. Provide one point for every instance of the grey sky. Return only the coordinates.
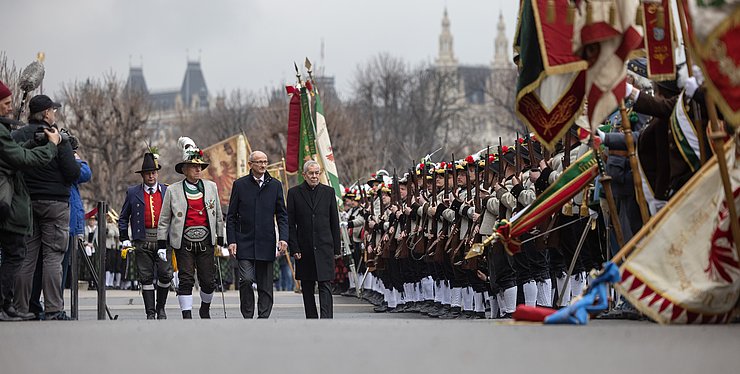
(248, 44)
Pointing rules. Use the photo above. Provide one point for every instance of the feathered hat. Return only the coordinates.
(191, 154)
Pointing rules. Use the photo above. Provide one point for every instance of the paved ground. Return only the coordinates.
(357, 341)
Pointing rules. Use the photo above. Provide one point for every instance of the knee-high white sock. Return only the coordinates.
(351, 280)
(530, 293)
(427, 284)
(108, 279)
(117, 280)
(399, 297)
(206, 297)
(446, 294)
(126, 285)
(565, 297)
(391, 298)
(467, 299)
(176, 279)
(478, 302)
(438, 292)
(456, 297)
(495, 312)
(578, 281)
(186, 302)
(510, 300)
(386, 295)
(544, 293)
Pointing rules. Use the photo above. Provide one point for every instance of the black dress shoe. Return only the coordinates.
(479, 315)
(452, 313)
(382, 308)
(58, 316)
(187, 314)
(440, 311)
(6, 318)
(12, 312)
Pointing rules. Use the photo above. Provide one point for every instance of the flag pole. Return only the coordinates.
(717, 135)
(636, 178)
(689, 70)
(606, 181)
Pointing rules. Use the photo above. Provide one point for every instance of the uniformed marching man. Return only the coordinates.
(141, 211)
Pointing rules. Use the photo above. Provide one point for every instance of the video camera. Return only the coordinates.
(40, 137)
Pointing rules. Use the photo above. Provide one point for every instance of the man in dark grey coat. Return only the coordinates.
(256, 203)
(313, 220)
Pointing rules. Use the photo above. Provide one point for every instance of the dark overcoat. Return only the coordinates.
(253, 212)
(314, 231)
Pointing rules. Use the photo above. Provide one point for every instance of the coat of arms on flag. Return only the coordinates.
(686, 270)
(550, 87)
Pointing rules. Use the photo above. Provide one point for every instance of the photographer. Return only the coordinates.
(16, 223)
(49, 188)
(76, 210)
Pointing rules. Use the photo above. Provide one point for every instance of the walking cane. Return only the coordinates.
(575, 257)
(221, 281)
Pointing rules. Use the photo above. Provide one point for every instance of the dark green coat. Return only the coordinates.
(14, 158)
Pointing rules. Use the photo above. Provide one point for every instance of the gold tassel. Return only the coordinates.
(589, 13)
(639, 16)
(660, 23)
(613, 14)
(550, 11)
(584, 203)
(571, 13)
(568, 209)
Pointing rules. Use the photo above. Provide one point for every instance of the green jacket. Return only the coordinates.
(14, 158)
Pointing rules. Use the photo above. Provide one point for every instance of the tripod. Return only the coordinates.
(90, 267)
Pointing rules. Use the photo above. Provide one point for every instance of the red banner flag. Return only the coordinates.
(659, 39)
(294, 128)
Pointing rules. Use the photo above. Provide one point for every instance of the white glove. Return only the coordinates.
(600, 133)
(162, 253)
(88, 250)
(343, 224)
(690, 87)
(698, 74)
(628, 92)
(126, 244)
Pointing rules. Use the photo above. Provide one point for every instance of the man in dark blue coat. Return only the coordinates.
(141, 211)
(257, 203)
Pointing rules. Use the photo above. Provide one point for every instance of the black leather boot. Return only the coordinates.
(187, 314)
(161, 301)
(205, 310)
(148, 296)
(452, 313)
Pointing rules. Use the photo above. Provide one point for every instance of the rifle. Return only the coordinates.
(532, 156)
(402, 249)
(382, 248)
(419, 247)
(434, 234)
(441, 247)
(366, 238)
(500, 160)
(518, 156)
(453, 243)
(486, 184)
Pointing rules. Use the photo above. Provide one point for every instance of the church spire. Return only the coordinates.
(501, 46)
(446, 57)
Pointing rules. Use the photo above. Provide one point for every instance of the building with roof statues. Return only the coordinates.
(485, 93)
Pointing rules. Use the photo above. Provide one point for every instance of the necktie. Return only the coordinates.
(150, 190)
